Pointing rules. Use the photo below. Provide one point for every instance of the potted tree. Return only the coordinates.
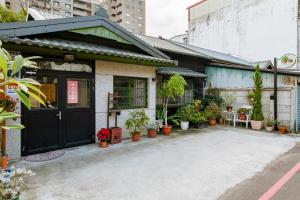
(103, 137)
(257, 115)
(269, 125)
(169, 90)
(228, 101)
(136, 123)
(213, 112)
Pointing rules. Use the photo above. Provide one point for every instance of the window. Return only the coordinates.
(132, 92)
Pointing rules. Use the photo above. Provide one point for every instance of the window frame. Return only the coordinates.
(130, 103)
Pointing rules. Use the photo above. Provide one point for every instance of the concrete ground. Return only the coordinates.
(200, 165)
(255, 187)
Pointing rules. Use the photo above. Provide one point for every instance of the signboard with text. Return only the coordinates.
(72, 92)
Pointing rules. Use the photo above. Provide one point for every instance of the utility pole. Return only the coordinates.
(275, 92)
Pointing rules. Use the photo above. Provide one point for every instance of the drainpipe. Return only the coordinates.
(275, 91)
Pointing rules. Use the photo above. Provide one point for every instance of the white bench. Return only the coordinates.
(236, 116)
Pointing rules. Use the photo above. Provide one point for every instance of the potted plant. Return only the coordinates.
(103, 137)
(269, 125)
(152, 130)
(169, 90)
(13, 183)
(228, 101)
(213, 112)
(199, 119)
(183, 114)
(282, 128)
(136, 123)
(257, 115)
(242, 113)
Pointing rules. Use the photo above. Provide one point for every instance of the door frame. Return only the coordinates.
(61, 75)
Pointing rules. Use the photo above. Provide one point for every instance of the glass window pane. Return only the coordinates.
(49, 88)
(78, 92)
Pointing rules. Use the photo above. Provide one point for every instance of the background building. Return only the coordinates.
(130, 14)
(63, 8)
(258, 30)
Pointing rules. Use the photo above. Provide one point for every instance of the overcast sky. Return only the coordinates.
(167, 17)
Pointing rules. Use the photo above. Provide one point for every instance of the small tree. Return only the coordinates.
(257, 114)
(171, 89)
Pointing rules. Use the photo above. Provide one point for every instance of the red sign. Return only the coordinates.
(72, 92)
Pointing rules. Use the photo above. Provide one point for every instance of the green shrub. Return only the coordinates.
(213, 111)
(257, 114)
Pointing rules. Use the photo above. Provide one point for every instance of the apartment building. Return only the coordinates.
(64, 8)
(253, 29)
(130, 14)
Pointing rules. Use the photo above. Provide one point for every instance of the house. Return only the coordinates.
(83, 59)
(258, 30)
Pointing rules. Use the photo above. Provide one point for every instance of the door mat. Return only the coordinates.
(45, 156)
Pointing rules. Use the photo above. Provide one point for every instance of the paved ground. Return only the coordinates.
(199, 165)
(258, 185)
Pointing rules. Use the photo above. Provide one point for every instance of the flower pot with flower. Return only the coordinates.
(228, 101)
(242, 113)
(136, 123)
(152, 130)
(103, 136)
(213, 112)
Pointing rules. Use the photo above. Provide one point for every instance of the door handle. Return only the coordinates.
(59, 115)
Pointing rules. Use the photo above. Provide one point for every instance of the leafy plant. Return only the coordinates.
(169, 90)
(197, 105)
(159, 114)
(198, 117)
(257, 114)
(184, 113)
(7, 15)
(137, 121)
(213, 111)
(242, 111)
(229, 100)
(212, 96)
(270, 123)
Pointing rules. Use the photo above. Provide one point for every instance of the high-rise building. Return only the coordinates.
(64, 8)
(130, 14)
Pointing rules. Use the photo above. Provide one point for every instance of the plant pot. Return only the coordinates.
(221, 121)
(282, 129)
(103, 144)
(166, 130)
(213, 122)
(184, 126)
(257, 125)
(152, 133)
(269, 128)
(136, 136)
(229, 108)
(4, 162)
(243, 116)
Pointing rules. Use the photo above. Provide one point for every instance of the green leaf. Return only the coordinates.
(3, 66)
(36, 97)
(23, 97)
(34, 88)
(13, 127)
(17, 65)
(29, 80)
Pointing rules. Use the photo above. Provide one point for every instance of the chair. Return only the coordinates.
(236, 116)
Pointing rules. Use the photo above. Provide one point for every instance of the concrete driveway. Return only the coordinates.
(199, 165)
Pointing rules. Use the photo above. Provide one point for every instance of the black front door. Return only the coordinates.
(68, 118)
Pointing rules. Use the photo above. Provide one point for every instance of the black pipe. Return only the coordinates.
(275, 91)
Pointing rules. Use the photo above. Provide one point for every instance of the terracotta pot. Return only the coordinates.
(212, 122)
(166, 130)
(269, 128)
(103, 144)
(282, 129)
(136, 136)
(4, 162)
(257, 125)
(243, 116)
(152, 133)
(229, 108)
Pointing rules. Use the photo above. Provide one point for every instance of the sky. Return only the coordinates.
(167, 18)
